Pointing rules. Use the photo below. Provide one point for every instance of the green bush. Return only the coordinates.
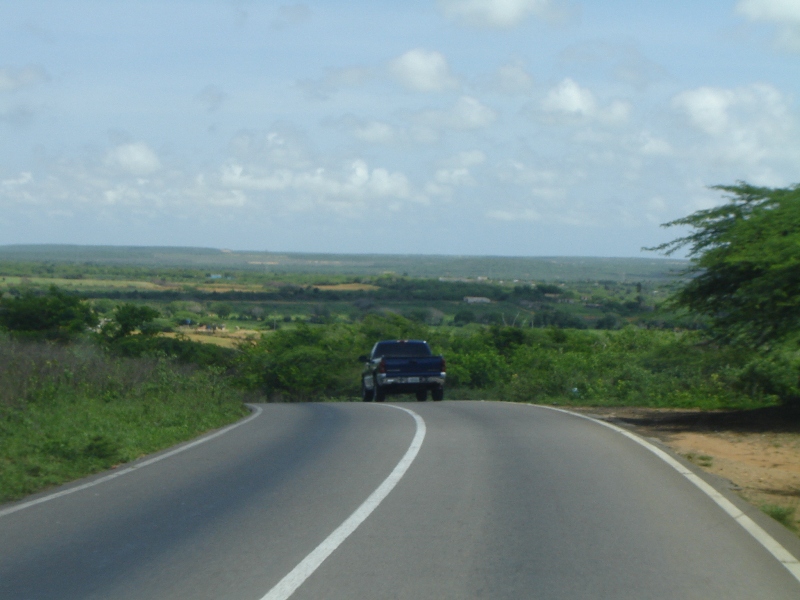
(53, 315)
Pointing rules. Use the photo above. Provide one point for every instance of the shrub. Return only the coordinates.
(54, 315)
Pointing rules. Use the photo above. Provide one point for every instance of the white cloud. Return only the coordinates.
(375, 132)
(616, 112)
(569, 101)
(456, 172)
(89, 187)
(423, 71)
(743, 126)
(784, 13)
(547, 186)
(356, 183)
(706, 107)
(469, 158)
(283, 146)
(512, 79)
(24, 178)
(454, 177)
(524, 214)
(780, 11)
(14, 79)
(496, 13)
(136, 158)
(467, 113)
(568, 97)
(653, 146)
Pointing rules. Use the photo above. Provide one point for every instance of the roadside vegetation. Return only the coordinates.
(68, 411)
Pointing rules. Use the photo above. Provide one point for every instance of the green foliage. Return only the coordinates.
(303, 363)
(223, 309)
(631, 366)
(558, 318)
(608, 321)
(782, 514)
(182, 350)
(68, 411)
(52, 315)
(130, 317)
(745, 265)
(391, 327)
(463, 317)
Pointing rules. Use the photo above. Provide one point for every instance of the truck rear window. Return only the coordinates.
(402, 349)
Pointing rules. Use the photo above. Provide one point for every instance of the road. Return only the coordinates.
(501, 501)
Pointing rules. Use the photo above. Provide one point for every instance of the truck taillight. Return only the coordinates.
(382, 366)
(443, 366)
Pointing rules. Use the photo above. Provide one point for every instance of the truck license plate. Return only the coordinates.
(413, 380)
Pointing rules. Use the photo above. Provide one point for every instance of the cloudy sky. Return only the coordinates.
(498, 127)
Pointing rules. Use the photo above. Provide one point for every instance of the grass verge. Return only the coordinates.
(70, 412)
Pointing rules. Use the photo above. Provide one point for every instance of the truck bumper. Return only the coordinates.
(411, 384)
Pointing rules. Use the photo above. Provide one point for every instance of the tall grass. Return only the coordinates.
(66, 412)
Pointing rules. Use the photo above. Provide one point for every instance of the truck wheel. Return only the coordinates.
(437, 394)
(366, 395)
(422, 395)
(380, 395)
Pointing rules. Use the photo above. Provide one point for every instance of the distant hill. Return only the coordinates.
(495, 268)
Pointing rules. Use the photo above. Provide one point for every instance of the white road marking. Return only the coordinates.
(289, 584)
(762, 537)
(257, 410)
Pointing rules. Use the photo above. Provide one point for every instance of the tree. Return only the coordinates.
(223, 309)
(464, 316)
(129, 317)
(54, 314)
(745, 265)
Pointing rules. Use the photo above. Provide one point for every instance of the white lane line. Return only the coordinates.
(786, 558)
(257, 410)
(287, 586)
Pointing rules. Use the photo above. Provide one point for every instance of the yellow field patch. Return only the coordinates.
(230, 288)
(226, 339)
(81, 283)
(348, 287)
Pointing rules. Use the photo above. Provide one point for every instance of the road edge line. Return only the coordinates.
(257, 410)
(769, 543)
(306, 567)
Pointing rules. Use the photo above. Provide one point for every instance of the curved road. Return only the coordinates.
(501, 501)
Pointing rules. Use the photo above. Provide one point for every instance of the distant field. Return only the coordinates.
(348, 287)
(82, 284)
(228, 339)
(495, 268)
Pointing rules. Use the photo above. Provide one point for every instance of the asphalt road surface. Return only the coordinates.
(501, 501)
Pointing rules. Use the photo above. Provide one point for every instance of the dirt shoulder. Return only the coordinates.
(757, 450)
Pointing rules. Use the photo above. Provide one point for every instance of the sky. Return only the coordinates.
(458, 127)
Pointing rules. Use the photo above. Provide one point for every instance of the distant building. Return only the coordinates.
(476, 300)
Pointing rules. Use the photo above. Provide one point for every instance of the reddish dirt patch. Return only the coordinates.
(757, 450)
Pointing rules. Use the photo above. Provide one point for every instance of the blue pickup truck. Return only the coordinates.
(402, 367)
